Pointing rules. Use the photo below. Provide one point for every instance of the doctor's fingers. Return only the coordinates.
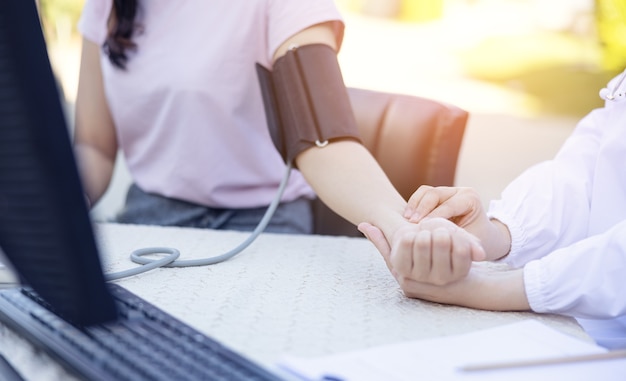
(425, 199)
(462, 206)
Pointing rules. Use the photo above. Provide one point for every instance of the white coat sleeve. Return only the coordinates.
(547, 207)
(567, 221)
(585, 279)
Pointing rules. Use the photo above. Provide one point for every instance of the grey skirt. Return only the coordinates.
(144, 208)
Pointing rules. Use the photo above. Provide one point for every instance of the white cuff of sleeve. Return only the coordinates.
(534, 284)
(518, 238)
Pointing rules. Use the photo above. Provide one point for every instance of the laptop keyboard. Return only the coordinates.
(144, 343)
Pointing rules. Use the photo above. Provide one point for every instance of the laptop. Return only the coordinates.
(63, 305)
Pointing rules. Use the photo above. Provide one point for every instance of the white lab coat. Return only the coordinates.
(567, 218)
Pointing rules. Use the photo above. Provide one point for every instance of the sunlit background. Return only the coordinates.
(526, 70)
(519, 56)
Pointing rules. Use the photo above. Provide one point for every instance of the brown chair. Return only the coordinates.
(415, 140)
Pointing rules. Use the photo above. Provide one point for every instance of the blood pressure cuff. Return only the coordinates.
(306, 101)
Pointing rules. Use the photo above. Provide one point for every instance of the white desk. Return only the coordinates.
(302, 295)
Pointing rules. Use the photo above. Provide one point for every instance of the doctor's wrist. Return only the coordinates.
(500, 240)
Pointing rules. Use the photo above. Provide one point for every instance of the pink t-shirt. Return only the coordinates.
(188, 108)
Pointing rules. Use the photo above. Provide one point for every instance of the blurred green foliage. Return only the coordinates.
(611, 21)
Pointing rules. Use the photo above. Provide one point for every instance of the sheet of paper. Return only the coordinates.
(441, 358)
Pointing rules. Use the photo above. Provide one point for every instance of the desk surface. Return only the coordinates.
(285, 294)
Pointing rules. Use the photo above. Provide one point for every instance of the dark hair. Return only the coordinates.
(121, 26)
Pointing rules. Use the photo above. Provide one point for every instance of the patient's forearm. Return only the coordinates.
(349, 180)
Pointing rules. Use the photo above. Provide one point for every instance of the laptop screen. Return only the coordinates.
(45, 229)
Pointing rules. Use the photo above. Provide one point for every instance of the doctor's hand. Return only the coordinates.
(462, 206)
(434, 251)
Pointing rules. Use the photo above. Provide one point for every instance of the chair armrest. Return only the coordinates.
(415, 140)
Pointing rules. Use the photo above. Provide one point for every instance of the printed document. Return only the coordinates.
(443, 358)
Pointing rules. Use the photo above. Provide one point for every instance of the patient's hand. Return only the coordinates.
(463, 207)
(434, 251)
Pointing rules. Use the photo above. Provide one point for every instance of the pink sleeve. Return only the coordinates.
(93, 20)
(288, 17)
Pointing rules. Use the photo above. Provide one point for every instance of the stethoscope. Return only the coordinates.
(611, 94)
